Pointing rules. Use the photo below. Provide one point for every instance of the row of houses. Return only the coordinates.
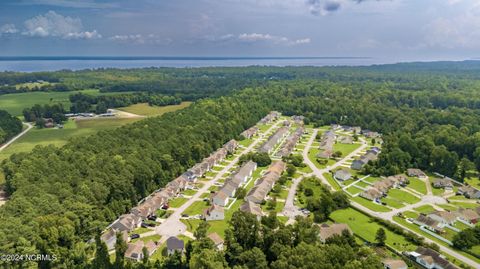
(272, 116)
(269, 145)
(159, 199)
(326, 145)
(262, 187)
(429, 258)
(438, 220)
(290, 142)
(231, 185)
(415, 172)
(469, 192)
(370, 155)
(380, 188)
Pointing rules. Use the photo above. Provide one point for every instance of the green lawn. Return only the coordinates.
(424, 209)
(370, 205)
(309, 183)
(473, 181)
(15, 103)
(392, 202)
(371, 179)
(404, 196)
(345, 149)
(189, 192)
(417, 185)
(278, 207)
(448, 207)
(305, 169)
(332, 181)
(58, 137)
(410, 214)
(353, 190)
(362, 184)
(437, 191)
(196, 208)
(364, 227)
(141, 230)
(154, 238)
(177, 202)
(145, 109)
(246, 142)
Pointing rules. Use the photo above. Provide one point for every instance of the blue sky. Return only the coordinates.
(394, 29)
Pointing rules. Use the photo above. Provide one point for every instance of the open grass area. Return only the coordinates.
(141, 230)
(371, 179)
(465, 205)
(448, 207)
(145, 109)
(473, 181)
(353, 190)
(196, 208)
(417, 185)
(332, 181)
(410, 214)
(309, 183)
(403, 196)
(345, 149)
(363, 226)
(362, 184)
(278, 207)
(312, 155)
(392, 202)
(370, 205)
(424, 209)
(437, 191)
(177, 202)
(189, 192)
(59, 137)
(154, 238)
(16, 102)
(246, 142)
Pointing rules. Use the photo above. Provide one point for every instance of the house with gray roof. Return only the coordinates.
(342, 175)
(174, 245)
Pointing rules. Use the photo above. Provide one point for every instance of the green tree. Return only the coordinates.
(120, 249)
(380, 237)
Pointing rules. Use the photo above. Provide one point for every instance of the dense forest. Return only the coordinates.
(430, 120)
(99, 104)
(9, 126)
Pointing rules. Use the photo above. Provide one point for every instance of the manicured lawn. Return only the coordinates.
(465, 205)
(353, 190)
(448, 207)
(278, 207)
(154, 238)
(332, 181)
(345, 149)
(145, 109)
(461, 225)
(392, 202)
(362, 184)
(404, 196)
(58, 137)
(371, 179)
(210, 174)
(205, 195)
(364, 227)
(189, 192)
(473, 181)
(424, 209)
(217, 168)
(410, 214)
(263, 127)
(141, 230)
(370, 205)
(437, 191)
(196, 208)
(213, 188)
(305, 169)
(177, 202)
(417, 185)
(246, 142)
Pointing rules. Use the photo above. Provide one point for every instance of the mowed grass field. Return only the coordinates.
(15, 103)
(59, 137)
(146, 110)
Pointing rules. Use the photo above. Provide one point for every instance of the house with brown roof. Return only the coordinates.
(214, 212)
(394, 264)
(252, 208)
(126, 222)
(217, 240)
(110, 238)
(250, 132)
(344, 139)
(229, 188)
(273, 140)
(429, 223)
(414, 172)
(469, 215)
(220, 198)
(135, 250)
(372, 194)
(443, 217)
(443, 183)
(290, 142)
(230, 146)
(328, 231)
(469, 192)
(258, 193)
(429, 258)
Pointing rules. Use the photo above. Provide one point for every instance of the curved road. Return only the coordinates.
(29, 126)
(426, 199)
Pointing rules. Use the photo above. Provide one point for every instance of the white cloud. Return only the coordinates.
(140, 39)
(255, 37)
(8, 29)
(52, 24)
(69, 3)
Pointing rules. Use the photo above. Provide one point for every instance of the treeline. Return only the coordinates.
(45, 88)
(9, 126)
(38, 113)
(467, 239)
(99, 104)
(13, 78)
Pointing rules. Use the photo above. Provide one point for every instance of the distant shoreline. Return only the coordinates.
(168, 58)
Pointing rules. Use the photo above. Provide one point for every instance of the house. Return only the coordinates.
(429, 258)
(245, 172)
(135, 250)
(371, 194)
(217, 240)
(394, 264)
(468, 215)
(342, 175)
(110, 238)
(229, 188)
(469, 192)
(443, 183)
(429, 223)
(48, 123)
(230, 146)
(214, 212)
(401, 180)
(357, 164)
(174, 245)
(370, 134)
(345, 140)
(443, 217)
(325, 154)
(272, 116)
(298, 119)
(220, 198)
(414, 172)
(290, 142)
(252, 208)
(272, 141)
(327, 231)
(126, 222)
(250, 132)
(286, 123)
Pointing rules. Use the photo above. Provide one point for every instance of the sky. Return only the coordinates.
(393, 29)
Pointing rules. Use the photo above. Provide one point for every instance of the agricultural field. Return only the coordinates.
(145, 109)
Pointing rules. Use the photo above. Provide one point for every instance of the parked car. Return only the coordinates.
(134, 236)
(149, 224)
(165, 206)
(152, 217)
(144, 225)
(185, 215)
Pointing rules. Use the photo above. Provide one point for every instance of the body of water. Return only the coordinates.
(33, 64)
